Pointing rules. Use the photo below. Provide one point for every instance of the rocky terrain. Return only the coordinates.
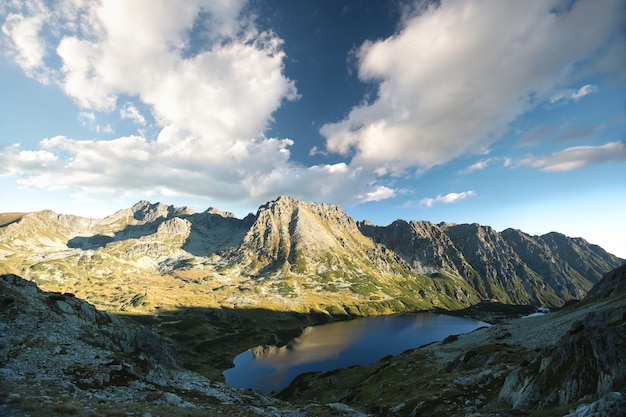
(568, 362)
(143, 311)
(292, 256)
(60, 356)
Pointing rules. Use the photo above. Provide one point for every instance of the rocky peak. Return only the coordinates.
(183, 211)
(227, 214)
(173, 228)
(289, 233)
(148, 212)
(308, 224)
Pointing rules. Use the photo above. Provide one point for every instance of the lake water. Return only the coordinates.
(339, 345)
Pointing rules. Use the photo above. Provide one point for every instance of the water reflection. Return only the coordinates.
(342, 344)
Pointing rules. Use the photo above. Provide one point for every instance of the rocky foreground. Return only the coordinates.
(61, 356)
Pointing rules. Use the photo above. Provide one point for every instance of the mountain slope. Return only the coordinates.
(510, 266)
(60, 356)
(549, 365)
(292, 255)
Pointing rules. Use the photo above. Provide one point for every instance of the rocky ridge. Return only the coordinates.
(298, 255)
(510, 266)
(61, 356)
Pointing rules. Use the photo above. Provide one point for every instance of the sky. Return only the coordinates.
(504, 113)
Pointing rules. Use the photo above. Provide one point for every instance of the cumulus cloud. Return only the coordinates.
(380, 193)
(16, 161)
(23, 36)
(459, 71)
(212, 101)
(447, 199)
(578, 157)
(448, 82)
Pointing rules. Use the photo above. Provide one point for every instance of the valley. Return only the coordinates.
(213, 286)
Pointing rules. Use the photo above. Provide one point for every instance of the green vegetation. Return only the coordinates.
(285, 289)
(299, 264)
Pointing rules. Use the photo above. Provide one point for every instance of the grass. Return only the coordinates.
(8, 218)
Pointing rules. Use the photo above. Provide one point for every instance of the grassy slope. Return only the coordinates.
(8, 218)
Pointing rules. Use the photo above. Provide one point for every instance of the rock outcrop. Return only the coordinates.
(586, 362)
(510, 266)
(301, 256)
(60, 356)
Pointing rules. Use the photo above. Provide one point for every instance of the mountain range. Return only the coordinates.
(293, 255)
(185, 292)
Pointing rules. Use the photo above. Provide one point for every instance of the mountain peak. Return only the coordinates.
(213, 210)
(281, 201)
(149, 212)
(319, 245)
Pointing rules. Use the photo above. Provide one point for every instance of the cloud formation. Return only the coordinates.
(578, 157)
(212, 101)
(206, 81)
(459, 71)
(24, 43)
(129, 111)
(447, 199)
(571, 94)
(477, 166)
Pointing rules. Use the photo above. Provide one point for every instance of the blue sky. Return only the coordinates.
(503, 113)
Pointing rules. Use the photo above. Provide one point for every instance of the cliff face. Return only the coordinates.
(511, 266)
(296, 255)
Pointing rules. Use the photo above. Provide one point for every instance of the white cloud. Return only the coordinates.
(578, 157)
(332, 182)
(212, 101)
(459, 72)
(22, 34)
(447, 199)
(380, 193)
(477, 166)
(141, 49)
(449, 83)
(571, 94)
(16, 161)
(129, 111)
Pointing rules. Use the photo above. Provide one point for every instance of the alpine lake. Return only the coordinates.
(341, 344)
